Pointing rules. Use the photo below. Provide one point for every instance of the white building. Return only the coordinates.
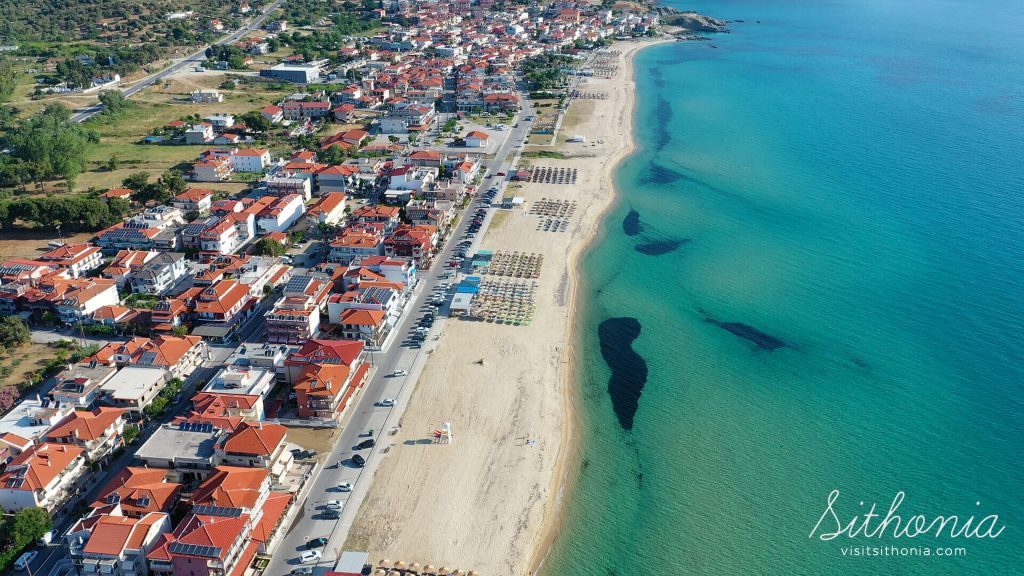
(134, 387)
(206, 97)
(250, 160)
(199, 134)
(159, 274)
(41, 477)
(280, 215)
(113, 544)
(242, 380)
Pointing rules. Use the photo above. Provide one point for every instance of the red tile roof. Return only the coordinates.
(257, 439)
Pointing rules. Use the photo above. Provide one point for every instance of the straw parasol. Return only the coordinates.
(380, 572)
(414, 567)
(400, 565)
(430, 569)
(385, 563)
(394, 573)
(444, 570)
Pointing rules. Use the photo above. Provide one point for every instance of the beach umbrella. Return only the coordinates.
(429, 569)
(400, 565)
(380, 572)
(385, 563)
(414, 567)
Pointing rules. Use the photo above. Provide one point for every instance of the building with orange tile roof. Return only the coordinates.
(328, 210)
(194, 200)
(77, 259)
(98, 432)
(224, 303)
(225, 411)
(370, 326)
(323, 351)
(258, 445)
(125, 193)
(242, 488)
(114, 544)
(204, 545)
(356, 241)
(41, 477)
(138, 491)
(178, 355)
(126, 263)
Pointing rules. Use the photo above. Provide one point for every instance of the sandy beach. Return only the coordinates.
(490, 500)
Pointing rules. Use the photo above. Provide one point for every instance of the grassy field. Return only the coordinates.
(24, 361)
(121, 137)
(32, 243)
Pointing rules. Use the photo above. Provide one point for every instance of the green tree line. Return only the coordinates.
(43, 147)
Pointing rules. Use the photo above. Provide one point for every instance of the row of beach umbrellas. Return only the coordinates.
(558, 208)
(516, 264)
(505, 302)
(387, 568)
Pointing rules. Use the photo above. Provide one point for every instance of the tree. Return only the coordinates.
(8, 80)
(114, 102)
(179, 331)
(13, 332)
(268, 247)
(136, 182)
(130, 434)
(49, 145)
(173, 182)
(9, 396)
(256, 122)
(112, 163)
(22, 531)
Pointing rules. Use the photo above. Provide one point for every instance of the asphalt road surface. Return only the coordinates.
(193, 60)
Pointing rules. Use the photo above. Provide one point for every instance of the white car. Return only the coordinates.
(310, 556)
(334, 504)
(25, 559)
(345, 486)
(387, 402)
(303, 571)
(399, 373)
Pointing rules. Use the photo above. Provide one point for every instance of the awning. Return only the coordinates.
(211, 331)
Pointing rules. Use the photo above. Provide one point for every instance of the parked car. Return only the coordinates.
(399, 373)
(358, 460)
(334, 504)
(25, 559)
(345, 487)
(316, 543)
(365, 444)
(330, 515)
(310, 556)
(386, 402)
(303, 571)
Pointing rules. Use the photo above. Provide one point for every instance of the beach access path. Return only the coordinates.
(489, 500)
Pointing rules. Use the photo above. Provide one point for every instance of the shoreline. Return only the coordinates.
(563, 479)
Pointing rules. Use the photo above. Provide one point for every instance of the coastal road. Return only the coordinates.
(365, 414)
(192, 60)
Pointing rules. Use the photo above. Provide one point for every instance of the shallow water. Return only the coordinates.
(842, 188)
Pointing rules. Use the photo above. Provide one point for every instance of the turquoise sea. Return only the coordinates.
(831, 203)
